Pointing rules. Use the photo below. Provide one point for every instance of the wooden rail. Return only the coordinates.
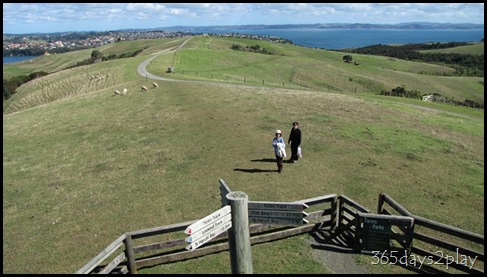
(437, 249)
(135, 257)
(336, 214)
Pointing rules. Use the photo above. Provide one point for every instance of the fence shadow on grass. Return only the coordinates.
(254, 170)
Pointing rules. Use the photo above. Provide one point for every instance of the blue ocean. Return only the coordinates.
(17, 59)
(334, 39)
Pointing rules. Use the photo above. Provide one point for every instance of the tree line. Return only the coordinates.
(465, 64)
(10, 86)
(435, 97)
(254, 49)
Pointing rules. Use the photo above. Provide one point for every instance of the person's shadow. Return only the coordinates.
(257, 170)
(264, 160)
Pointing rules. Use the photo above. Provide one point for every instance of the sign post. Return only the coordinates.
(239, 234)
(208, 228)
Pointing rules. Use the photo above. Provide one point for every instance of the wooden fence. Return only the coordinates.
(127, 257)
(450, 247)
(335, 214)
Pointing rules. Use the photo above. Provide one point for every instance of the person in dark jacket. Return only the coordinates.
(295, 142)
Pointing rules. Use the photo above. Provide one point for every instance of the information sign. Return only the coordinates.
(376, 234)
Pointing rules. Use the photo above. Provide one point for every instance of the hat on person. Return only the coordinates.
(278, 132)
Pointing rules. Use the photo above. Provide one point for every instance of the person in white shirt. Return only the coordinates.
(279, 149)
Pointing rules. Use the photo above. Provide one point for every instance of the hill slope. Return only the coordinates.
(89, 166)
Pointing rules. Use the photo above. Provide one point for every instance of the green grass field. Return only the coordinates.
(82, 166)
(476, 48)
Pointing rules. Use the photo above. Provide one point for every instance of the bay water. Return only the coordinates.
(334, 39)
(17, 59)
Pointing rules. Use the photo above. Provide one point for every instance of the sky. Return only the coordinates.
(23, 18)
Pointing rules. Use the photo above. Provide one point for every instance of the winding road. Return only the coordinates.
(142, 71)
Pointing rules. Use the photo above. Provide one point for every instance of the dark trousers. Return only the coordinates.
(294, 152)
(279, 163)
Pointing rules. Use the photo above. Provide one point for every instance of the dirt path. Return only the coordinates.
(337, 256)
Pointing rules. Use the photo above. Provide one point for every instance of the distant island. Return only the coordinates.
(356, 26)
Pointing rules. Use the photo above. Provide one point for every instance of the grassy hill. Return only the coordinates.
(82, 166)
(476, 48)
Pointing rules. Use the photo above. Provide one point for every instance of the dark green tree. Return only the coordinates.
(347, 58)
(96, 55)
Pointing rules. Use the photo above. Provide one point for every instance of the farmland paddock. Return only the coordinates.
(391, 236)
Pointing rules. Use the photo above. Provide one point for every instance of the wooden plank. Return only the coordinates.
(224, 190)
(160, 245)
(277, 206)
(449, 246)
(395, 205)
(318, 200)
(110, 249)
(283, 234)
(160, 230)
(345, 200)
(448, 229)
(174, 257)
(440, 260)
(215, 248)
(113, 264)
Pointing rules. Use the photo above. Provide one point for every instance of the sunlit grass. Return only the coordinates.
(88, 167)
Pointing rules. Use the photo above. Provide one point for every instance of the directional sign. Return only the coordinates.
(277, 213)
(280, 214)
(277, 206)
(207, 220)
(208, 236)
(277, 221)
(210, 228)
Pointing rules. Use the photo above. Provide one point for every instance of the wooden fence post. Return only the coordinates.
(239, 234)
(340, 212)
(333, 215)
(129, 252)
(380, 206)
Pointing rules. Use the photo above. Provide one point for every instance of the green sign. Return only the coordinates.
(376, 234)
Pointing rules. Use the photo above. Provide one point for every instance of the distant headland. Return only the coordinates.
(406, 26)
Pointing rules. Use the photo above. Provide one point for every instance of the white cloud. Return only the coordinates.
(134, 15)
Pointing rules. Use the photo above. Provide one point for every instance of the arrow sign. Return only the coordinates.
(277, 206)
(215, 225)
(207, 220)
(278, 221)
(207, 237)
(280, 214)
